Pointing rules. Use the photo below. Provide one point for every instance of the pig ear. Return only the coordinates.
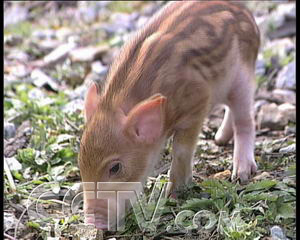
(90, 102)
(145, 121)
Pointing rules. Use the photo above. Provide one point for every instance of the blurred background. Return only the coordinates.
(53, 50)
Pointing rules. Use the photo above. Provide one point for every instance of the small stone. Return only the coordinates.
(286, 78)
(288, 112)
(259, 103)
(281, 47)
(289, 130)
(141, 21)
(49, 44)
(289, 149)
(13, 164)
(9, 130)
(263, 175)
(40, 79)
(88, 14)
(94, 78)
(15, 14)
(18, 55)
(9, 221)
(99, 68)
(74, 106)
(35, 94)
(59, 54)
(285, 95)
(79, 92)
(44, 34)
(12, 40)
(88, 54)
(63, 33)
(19, 71)
(222, 175)
(123, 21)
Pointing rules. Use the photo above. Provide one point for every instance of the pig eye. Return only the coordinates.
(116, 168)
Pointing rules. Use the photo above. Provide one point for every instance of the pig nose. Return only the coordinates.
(98, 222)
(96, 213)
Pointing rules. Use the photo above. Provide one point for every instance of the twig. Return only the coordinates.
(9, 177)
(159, 234)
(126, 235)
(72, 125)
(17, 225)
(10, 237)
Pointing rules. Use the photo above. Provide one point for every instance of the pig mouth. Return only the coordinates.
(100, 222)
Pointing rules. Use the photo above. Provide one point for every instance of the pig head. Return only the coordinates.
(118, 147)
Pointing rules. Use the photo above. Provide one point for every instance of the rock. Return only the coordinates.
(276, 117)
(59, 54)
(289, 149)
(289, 130)
(286, 78)
(88, 54)
(277, 233)
(12, 40)
(40, 79)
(44, 34)
(13, 164)
(9, 130)
(284, 95)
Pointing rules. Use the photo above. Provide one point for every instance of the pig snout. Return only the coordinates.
(96, 213)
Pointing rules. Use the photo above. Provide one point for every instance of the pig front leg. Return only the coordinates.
(184, 145)
(241, 106)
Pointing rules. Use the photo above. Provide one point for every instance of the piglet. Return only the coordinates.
(190, 57)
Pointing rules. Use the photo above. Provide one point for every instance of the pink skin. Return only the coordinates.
(96, 213)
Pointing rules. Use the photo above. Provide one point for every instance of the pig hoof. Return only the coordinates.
(243, 174)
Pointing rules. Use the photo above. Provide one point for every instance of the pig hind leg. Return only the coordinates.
(225, 132)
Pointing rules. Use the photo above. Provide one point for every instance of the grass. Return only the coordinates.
(207, 209)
